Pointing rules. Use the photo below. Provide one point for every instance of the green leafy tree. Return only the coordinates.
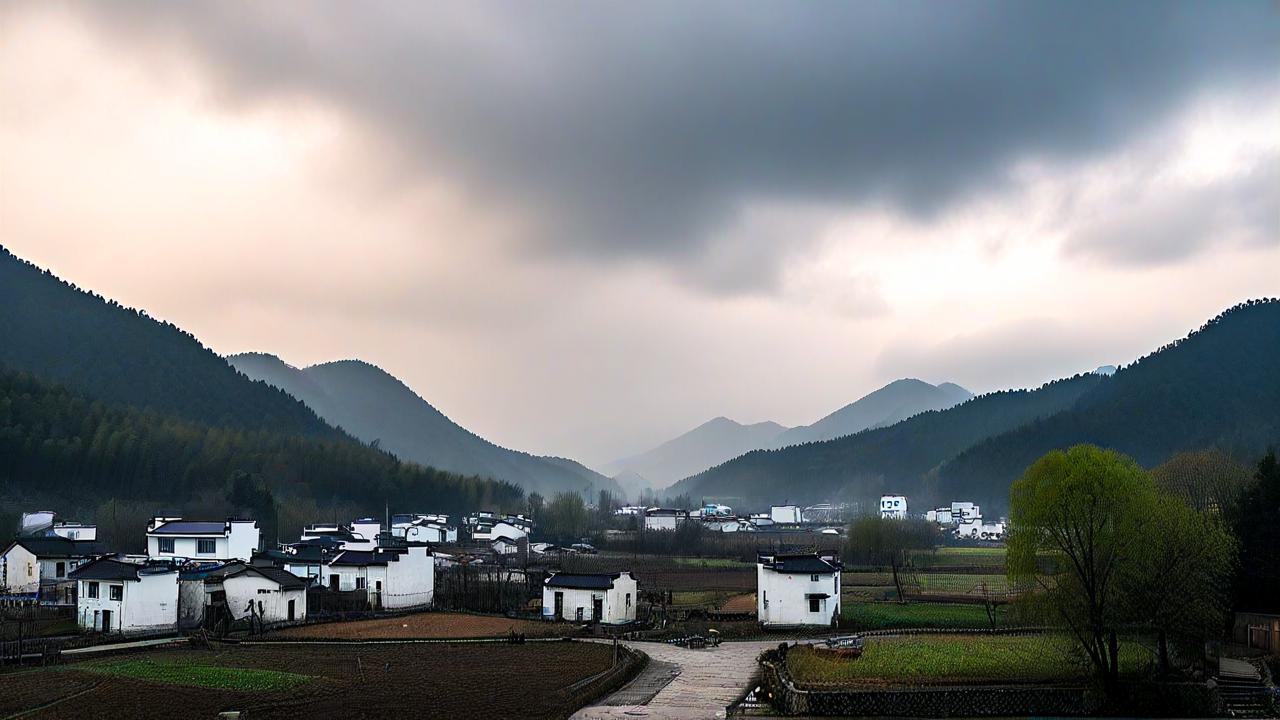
(1084, 511)
(565, 517)
(1106, 551)
(1179, 580)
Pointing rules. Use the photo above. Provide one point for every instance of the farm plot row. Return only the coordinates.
(324, 681)
(954, 659)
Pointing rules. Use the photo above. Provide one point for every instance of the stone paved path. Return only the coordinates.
(703, 683)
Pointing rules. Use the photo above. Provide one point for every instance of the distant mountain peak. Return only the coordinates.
(371, 403)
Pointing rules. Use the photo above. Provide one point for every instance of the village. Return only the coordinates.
(790, 579)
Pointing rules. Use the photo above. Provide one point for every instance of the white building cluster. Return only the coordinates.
(964, 520)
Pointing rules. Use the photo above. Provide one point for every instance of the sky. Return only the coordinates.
(581, 228)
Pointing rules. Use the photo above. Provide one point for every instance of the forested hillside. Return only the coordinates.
(1219, 387)
(373, 405)
(59, 332)
(57, 442)
(893, 458)
(891, 404)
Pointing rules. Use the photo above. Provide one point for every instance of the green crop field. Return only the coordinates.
(956, 584)
(952, 556)
(177, 672)
(892, 615)
(953, 659)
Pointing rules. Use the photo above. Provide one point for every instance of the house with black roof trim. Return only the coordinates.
(607, 598)
(797, 589)
(119, 596)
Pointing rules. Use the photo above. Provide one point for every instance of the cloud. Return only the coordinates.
(1160, 227)
(624, 131)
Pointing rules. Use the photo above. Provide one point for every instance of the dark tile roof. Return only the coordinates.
(191, 527)
(286, 580)
(106, 569)
(56, 547)
(358, 557)
(600, 581)
(801, 565)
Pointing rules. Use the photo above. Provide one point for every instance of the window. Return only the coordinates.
(115, 592)
(766, 599)
(359, 583)
(60, 569)
(92, 589)
(263, 591)
(206, 546)
(815, 604)
(166, 545)
(628, 601)
(813, 578)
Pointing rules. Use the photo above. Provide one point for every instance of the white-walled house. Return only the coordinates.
(344, 535)
(663, 518)
(893, 506)
(961, 511)
(202, 540)
(509, 529)
(941, 516)
(797, 590)
(30, 564)
(392, 577)
(277, 595)
(427, 528)
(126, 597)
(602, 597)
(785, 514)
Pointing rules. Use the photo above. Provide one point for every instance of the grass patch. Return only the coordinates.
(891, 615)
(955, 659)
(174, 672)
(952, 556)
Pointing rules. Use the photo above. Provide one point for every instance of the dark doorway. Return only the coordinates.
(291, 616)
(559, 605)
(597, 609)
(333, 582)
(106, 621)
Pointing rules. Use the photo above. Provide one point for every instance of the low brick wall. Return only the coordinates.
(1141, 699)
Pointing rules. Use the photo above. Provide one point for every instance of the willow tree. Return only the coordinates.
(1107, 551)
(1082, 512)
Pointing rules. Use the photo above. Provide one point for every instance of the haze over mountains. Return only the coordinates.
(721, 439)
(100, 402)
(1218, 387)
(374, 406)
(711, 443)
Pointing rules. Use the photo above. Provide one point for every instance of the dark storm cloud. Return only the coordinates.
(641, 129)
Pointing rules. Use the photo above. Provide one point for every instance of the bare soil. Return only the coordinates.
(429, 625)
(492, 680)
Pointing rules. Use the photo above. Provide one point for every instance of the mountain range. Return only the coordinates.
(721, 439)
(1218, 387)
(102, 402)
(375, 407)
